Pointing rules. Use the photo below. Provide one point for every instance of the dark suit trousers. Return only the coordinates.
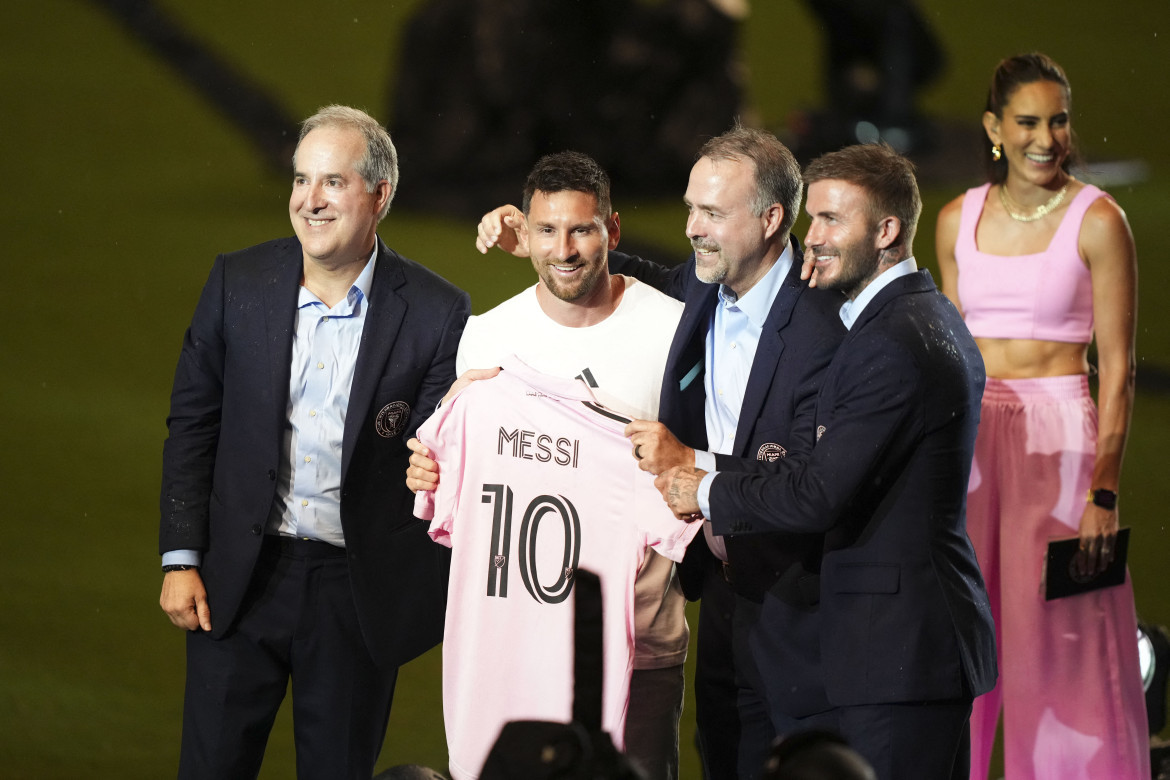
(735, 732)
(903, 741)
(298, 620)
(715, 712)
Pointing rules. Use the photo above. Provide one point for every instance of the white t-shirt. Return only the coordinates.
(622, 359)
(537, 482)
(625, 353)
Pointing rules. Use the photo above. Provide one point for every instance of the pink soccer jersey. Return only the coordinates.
(536, 481)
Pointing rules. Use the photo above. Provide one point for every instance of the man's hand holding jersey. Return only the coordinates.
(423, 473)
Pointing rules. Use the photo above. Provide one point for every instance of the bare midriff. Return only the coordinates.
(1029, 358)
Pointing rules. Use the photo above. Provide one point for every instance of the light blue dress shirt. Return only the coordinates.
(324, 357)
(736, 327)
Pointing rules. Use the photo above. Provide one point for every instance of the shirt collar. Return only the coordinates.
(756, 303)
(358, 291)
(851, 310)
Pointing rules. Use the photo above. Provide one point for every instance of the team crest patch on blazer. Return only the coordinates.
(770, 451)
(391, 421)
(820, 432)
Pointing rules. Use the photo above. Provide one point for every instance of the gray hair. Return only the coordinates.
(380, 162)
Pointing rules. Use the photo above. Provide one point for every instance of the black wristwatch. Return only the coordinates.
(1106, 499)
(178, 567)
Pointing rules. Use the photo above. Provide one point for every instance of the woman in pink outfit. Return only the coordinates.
(1040, 263)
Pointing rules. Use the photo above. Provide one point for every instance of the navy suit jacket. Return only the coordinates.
(798, 341)
(229, 411)
(904, 615)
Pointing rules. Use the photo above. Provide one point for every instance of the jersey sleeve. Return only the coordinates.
(665, 534)
(442, 435)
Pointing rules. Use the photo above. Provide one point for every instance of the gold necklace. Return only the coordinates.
(1043, 210)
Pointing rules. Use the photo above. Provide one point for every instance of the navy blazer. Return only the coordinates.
(798, 341)
(904, 612)
(229, 411)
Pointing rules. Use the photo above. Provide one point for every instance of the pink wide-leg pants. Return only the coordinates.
(1069, 684)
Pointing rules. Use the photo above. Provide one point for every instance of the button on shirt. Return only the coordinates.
(736, 327)
(324, 356)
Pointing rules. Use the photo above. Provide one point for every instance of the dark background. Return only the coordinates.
(121, 183)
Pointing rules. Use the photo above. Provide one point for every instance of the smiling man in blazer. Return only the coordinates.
(741, 382)
(289, 545)
(906, 639)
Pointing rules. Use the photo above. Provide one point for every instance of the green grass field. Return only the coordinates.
(122, 185)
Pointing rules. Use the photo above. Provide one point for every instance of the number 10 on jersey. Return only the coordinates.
(500, 497)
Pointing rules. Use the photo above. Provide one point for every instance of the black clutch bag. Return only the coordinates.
(1061, 580)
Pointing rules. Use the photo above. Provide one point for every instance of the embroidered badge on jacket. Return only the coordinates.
(391, 421)
(770, 452)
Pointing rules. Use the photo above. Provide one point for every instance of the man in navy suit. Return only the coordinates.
(740, 383)
(906, 638)
(288, 539)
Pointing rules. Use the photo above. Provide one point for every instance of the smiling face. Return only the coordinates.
(1034, 131)
(569, 242)
(333, 214)
(732, 244)
(842, 236)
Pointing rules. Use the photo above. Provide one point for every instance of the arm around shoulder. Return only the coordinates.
(502, 227)
(671, 281)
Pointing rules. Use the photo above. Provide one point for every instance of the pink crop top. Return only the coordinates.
(1046, 296)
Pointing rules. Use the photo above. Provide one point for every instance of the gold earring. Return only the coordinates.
(996, 152)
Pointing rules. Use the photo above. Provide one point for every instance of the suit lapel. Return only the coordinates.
(682, 397)
(917, 282)
(688, 352)
(768, 353)
(383, 321)
(280, 284)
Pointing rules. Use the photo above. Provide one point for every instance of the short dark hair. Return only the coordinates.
(777, 172)
(886, 176)
(569, 172)
(1011, 74)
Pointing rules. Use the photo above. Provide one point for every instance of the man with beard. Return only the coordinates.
(906, 638)
(743, 375)
(614, 333)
